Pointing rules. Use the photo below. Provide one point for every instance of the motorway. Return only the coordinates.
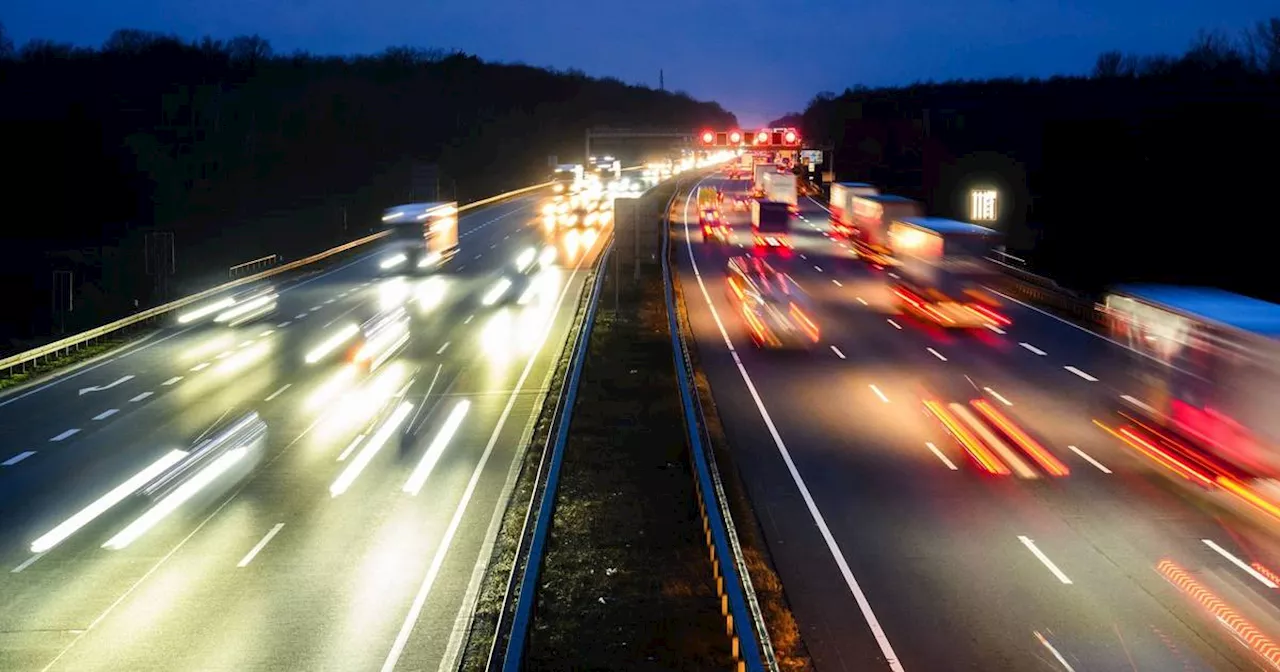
(897, 551)
(272, 571)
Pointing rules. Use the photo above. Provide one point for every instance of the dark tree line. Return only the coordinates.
(1154, 168)
(242, 152)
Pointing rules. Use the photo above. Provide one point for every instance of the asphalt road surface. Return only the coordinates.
(897, 551)
(271, 571)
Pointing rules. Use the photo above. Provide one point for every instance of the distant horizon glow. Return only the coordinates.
(755, 63)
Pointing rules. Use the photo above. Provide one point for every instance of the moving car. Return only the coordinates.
(776, 312)
(715, 228)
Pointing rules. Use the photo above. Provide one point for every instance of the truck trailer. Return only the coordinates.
(423, 236)
(770, 224)
(872, 216)
(781, 187)
(942, 271)
(841, 204)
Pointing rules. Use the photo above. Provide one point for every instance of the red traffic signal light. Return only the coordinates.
(735, 137)
(762, 138)
(708, 137)
(790, 137)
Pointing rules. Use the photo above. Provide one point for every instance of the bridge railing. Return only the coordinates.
(65, 345)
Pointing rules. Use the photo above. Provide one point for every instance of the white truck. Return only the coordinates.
(781, 187)
(757, 177)
(872, 215)
(841, 204)
(423, 236)
(942, 270)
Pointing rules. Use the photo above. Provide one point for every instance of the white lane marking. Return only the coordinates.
(351, 448)
(17, 458)
(99, 388)
(140, 397)
(442, 548)
(314, 308)
(937, 354)
(469, 318)
(1239, 563)
(300, 316)
(475, 257)
(1089, 458)
(224, 355)
(895, 324)
(1031, 546)
(862, 301)
(999, 397)
(945, 460)
(279, 392)
(1080, 373)
(461, 266)
(837, 283)
(65, 435)
(106, 414)
(507, 237)
(1054, 651)
(329, 301)
(171, 381)
(837, 351)
(804, 257)
(886, 649)
(817, 268)
(261, 545)
(443, 348)
(879, 393)
(1034, 349)
(200, 367)
(1137, 402)
(996, 329)
(493, 246)
(27, 563)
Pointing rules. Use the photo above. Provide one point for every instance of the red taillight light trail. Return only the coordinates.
(1158, 455)
(990, 314)
(1029, 445)
(974, 447)
(810, 329)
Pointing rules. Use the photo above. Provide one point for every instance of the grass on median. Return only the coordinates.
(48, 365)
(627, 581)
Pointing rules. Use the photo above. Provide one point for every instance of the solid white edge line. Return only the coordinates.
(1044, 559)
(941, 456)
(886, 649)
(1088, 458)
(442, 549)
(260, 545)
(1239, 563)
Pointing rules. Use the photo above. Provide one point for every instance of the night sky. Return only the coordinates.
(758, 59)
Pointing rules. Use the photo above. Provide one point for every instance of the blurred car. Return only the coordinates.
(381, 338)
(520, 277)
(776, 312)
(243, 307)
(230, 450)
(715, 228)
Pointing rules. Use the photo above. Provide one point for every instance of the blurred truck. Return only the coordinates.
(781, 187)
(1204, 372)
(942, 272)
(708, 199)
(757, 177)
(423, 236)
(872, 215)
(770, 224)
(841, 204)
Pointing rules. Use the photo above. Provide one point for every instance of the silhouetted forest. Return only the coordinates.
(241, 153)
(1154, 168)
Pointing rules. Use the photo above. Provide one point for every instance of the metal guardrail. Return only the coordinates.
(64, 344)
(1045, 291)
(522, 619)
(252, 265)
(744, 620)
